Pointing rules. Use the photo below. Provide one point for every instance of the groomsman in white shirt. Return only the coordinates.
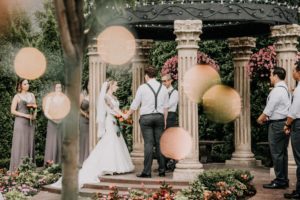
(172, 115)
(275, 114)
(173, 100)
(153, 98)
(292, 127)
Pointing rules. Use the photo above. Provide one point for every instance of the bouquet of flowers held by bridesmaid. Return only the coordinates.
(122, 123)
(32, 108)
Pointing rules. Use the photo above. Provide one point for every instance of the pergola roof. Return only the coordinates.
(221, 18)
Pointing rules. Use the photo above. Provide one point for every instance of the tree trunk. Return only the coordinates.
(70, 145)
(70, 19)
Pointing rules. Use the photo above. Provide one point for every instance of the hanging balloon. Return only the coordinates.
(116, 45)
(30, 63)
(221, 104)
(56, 106)
(198, 79)
(175, 143)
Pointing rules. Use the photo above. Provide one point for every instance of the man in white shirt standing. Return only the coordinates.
(173, 100)
(292, 127)
(172, 115)
(275, 114)
(153, 98)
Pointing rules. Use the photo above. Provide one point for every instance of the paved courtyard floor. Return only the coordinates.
(261, 176)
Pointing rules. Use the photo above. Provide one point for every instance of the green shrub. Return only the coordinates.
(221, 184)
(27, 179)
(15, 195)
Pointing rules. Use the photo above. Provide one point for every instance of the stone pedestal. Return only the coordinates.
(241, 51)
(187, 37)
(97, 75)
(139, 62)
(286, 49)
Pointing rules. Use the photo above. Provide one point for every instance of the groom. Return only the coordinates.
(153, 98)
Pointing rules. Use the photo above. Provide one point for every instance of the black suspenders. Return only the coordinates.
(171, 92)
(155, 94)
(285, 90)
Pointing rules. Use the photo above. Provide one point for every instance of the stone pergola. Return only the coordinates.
(156, 22)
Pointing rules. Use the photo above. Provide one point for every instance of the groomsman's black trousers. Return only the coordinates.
(152, 126)
(171, 122)
(295, 141)
(172, 119)
(278, 142)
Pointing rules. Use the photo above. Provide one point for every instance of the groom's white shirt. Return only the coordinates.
(145, 97)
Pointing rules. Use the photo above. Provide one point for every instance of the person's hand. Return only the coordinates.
(28, 116)
(260, 120)
(126, 116)
(287, 129)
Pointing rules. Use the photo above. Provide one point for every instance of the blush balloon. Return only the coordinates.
(30, 63)
(222, 104)
(116, 45)
(175, 143)
(56, 105)
(198, 79)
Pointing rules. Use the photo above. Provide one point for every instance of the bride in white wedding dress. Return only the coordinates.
(110, 155)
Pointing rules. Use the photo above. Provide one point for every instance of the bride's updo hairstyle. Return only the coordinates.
(110, 84)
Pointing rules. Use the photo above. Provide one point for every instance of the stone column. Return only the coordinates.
(241, 51)
(187, 36)
(140, 60)
(287, 36)
(97, 75)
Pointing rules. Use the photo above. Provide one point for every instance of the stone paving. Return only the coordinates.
(261, 176)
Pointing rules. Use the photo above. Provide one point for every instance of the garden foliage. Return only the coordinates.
(27, 180)
(228, 184)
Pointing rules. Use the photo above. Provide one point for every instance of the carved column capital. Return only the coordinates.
(187, 33)
(287, 37)
(285, 30)
(92, 48)
(241, 47)
(143, 48)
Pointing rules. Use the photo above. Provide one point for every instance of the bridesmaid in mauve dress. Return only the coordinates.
(84, 125)
(54, 128)
(24, 125)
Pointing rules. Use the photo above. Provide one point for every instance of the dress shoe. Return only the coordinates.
(142, 175)
(275, 185)
(293, 195)
(162, 174)
(169, 170)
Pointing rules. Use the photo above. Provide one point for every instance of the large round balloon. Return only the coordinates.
(198, 79)
(30, 63)
(175, 143)
(56, 106)
(116, 45)
(222, 104)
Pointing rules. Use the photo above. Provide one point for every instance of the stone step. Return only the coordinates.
(84, 192)
(126, 186)
(132, 179)
(123, 182)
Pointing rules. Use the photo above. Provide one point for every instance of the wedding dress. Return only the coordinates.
(110, 155)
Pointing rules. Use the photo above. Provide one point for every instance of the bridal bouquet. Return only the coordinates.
(31, 107)
(122, 123)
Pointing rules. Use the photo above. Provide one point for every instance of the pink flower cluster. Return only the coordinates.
(171, 65)
(262, 62)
